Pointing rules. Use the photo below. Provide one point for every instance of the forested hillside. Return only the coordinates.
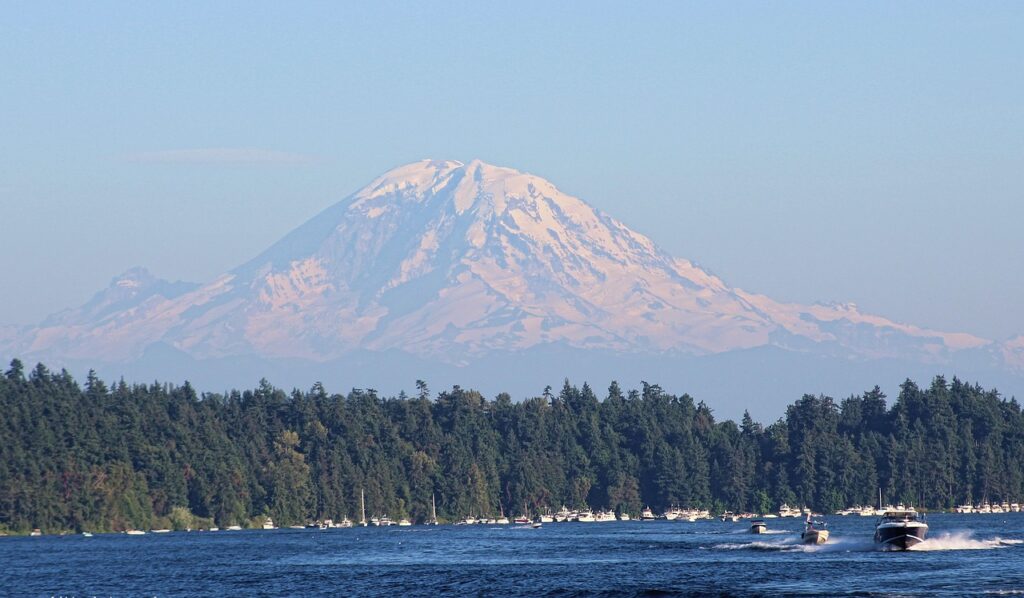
(138, 456)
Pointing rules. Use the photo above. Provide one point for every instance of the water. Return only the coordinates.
(967, 554)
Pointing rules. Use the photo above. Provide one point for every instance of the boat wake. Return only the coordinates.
(793, 544)
(962, 541)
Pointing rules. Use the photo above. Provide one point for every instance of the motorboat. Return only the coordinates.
(814, 532)
(268, 523)
(623, 516)
(786, 511)
(603, 516)
(757, 526)
(404, 522)
(647, 514)
(900, 529)
(585, 517)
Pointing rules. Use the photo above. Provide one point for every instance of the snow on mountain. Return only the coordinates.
(451, 262)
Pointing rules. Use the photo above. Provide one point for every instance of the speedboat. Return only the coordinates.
(757, 526)
(899, 529)
(814, 532)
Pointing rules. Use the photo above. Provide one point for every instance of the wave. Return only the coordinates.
(793, 544)
(963, 541)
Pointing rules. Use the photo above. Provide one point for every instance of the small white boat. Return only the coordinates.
(403, 522)
(647, 514)
(268, 523)
(623, 516)
(585, 517)
(161, 531)
(86, 534)
(758, 526)
(786, 511)
(234, 528)
(135, 532)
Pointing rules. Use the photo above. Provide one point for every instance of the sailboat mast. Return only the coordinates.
(433, 509)
(362, 508)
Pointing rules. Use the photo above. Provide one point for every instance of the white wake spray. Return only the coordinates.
(962, 541)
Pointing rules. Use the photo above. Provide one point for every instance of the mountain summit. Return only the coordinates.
(450, 263)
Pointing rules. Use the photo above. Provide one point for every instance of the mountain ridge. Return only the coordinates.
(451, 262)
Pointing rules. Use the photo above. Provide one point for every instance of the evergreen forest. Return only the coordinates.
(105, 458)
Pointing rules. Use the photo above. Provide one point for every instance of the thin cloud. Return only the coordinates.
(220, 155)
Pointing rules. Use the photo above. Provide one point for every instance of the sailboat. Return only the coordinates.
(433, 511)
(362, 509)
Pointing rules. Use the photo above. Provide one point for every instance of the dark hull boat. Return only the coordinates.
(900, 529)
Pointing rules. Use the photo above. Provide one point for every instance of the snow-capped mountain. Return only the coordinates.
(450, 263)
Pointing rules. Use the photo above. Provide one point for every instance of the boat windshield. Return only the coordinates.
(900, 515)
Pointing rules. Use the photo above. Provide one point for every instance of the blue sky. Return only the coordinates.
(867, 152)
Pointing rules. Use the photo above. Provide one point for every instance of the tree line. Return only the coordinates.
(92, 457)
